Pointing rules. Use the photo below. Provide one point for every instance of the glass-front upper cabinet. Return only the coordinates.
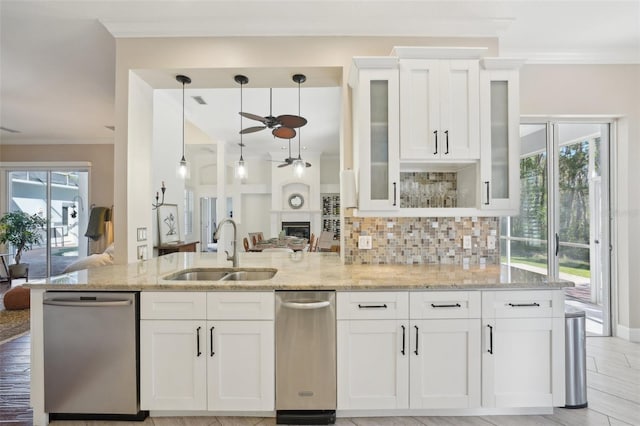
(499, 135)
(375, 101)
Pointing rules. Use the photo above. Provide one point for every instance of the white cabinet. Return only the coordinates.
(499, 135)
(375, 101)
(430, 361)
(207, 351)
(439, 109)
(172, 367)
(445, 350)
(240, 363)
(523, 349)
(372, 350)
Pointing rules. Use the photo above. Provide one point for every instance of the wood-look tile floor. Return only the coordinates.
(613, 370)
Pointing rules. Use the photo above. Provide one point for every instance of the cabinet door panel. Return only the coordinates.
(445, 373)
(521, 364)
(172, 375)
(372, 370)
(240, 365)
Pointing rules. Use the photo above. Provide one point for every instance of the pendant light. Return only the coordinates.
(183, 167)
(298, 164)
(241, 171)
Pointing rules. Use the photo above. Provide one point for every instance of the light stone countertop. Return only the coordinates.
(296, 271)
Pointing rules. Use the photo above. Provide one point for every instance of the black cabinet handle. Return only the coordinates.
(394, 194)
(435, 132)
(416, 351)
(403, 339)
(383, 306)
(486, 182)
(446, 133)
(456, 305)
(557, 243)
(212, 353)
(490, 339)
(520, 305)
(198, 341)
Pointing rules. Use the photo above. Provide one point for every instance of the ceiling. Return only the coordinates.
(57, 58)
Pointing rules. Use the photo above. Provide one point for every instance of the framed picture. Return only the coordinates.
(142, 234)
(168, 225)
(142, 252)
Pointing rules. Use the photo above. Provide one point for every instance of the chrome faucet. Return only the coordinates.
(233, 258)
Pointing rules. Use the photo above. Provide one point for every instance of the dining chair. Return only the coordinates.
(245, 243)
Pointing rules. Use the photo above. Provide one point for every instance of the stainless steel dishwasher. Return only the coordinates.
(91, 355)
(305, 357)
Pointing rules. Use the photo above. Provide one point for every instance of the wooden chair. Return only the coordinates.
(254, 240)
(245, 243)
(312, 241)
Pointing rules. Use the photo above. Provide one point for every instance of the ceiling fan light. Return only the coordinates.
(298, 167)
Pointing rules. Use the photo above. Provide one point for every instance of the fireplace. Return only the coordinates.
(297, 229)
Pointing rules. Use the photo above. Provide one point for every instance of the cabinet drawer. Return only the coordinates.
(523, 304)
(372, 305)
(444, 304)
(238, 305)
(173, 305)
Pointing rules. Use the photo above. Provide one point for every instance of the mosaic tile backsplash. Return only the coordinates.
(408, 240)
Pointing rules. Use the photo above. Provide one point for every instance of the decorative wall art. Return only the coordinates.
(168, 228)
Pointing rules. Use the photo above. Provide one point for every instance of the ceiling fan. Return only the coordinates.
(283, 125)
(289, 160)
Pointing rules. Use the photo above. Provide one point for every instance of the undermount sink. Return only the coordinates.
(223, 274)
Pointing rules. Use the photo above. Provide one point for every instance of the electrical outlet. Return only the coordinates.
(466, 242)
(364, 242)
(491, 242)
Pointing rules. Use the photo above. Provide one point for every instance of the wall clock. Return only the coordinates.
(296, 201)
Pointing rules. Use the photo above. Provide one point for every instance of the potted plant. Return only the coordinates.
(22, 231)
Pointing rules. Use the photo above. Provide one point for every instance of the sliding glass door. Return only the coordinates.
(563, 226)
(60, 197)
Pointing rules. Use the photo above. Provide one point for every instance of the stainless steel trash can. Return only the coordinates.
(575, 358)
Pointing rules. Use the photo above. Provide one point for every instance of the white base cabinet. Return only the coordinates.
(207, 351)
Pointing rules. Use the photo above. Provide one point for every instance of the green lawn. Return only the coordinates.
(580, 272)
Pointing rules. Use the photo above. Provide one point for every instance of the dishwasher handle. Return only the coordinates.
(306, 305)
(87, 303)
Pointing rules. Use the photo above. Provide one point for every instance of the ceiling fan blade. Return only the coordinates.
(253, 116)
(283, 164)
(252, 129)
(284, 133)
(307, 164)
(291, 121)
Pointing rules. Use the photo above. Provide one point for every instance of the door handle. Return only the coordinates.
(212, 353)
(446, 134)
(435, 132)
(306, 305)
(403, 339)
(198, 341)
(490, 350)
(416, 351)
(521, 305)
(383, 306)
(486, 182)
(394, 194)
(557, 243)
(85, 303)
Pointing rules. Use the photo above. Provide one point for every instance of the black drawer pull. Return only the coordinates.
(395, 197)
(435, 132)
(457, 305)
(384, 306)
(446, 132)
(417, 331)
(521, 305)
(212, 353)
(490, 339)
(403, 339)
(198, 341)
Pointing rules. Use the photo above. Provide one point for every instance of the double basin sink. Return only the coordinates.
(223, 274)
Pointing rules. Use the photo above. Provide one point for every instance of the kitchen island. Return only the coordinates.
(478, 340)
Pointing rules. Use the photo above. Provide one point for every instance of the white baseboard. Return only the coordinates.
(630, 334)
